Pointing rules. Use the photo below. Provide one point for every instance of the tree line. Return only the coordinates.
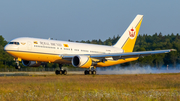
(143, 43)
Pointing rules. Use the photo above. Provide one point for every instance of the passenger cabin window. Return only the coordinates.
(16, 43)
(84, 51)
(66, 49)
(44, 47)
(76, 49)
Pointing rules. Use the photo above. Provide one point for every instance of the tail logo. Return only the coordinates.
(132, 33)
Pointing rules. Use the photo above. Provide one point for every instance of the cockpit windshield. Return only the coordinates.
(16, 43)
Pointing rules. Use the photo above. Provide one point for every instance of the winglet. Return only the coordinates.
(173, 50)
(128, 39)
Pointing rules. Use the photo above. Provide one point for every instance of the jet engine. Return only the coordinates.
(31, 63)
(81, 61)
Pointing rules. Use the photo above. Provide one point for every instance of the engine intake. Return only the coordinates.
(81, 61)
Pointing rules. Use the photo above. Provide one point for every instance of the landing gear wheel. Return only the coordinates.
(85, 72)
(60, 72)
(90, 72)
(17, 67)
(64, 72)
(57, 72)
(94, 72)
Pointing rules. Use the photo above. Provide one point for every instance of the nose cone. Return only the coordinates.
(6, 47)
(10, 47)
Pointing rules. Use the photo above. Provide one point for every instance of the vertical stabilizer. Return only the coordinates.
(128, 39)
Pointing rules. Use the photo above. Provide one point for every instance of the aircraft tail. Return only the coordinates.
(128, 39)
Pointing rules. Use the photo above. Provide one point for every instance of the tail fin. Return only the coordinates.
(128, 39)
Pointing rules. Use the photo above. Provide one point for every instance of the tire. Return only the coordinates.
(90, 72)
(85, 72)
(60, 72)
(17, 67)
(65, 72)
(94, 72)
(57, 72)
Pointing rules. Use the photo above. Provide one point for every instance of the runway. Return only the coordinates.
(35, 73)
(107, 72)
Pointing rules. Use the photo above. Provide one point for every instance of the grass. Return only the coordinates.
(143, 87)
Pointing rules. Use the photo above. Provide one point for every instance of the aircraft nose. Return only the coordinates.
(6, 47)
(10, 47)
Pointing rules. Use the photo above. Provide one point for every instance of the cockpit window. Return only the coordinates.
(16, 43)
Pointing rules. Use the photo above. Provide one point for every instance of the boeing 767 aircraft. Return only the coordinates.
(34, 51)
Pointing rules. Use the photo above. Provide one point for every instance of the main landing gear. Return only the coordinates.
(60, 71)
(93, 72)
(17, 66)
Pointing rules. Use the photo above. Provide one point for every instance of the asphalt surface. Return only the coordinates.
(35, 73)
(107, 72)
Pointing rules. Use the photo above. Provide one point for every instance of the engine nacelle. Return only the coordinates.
(31, 63)
(81, 61)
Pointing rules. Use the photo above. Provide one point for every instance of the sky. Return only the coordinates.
(85, 19)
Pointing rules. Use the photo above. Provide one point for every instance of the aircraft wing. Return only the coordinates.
(116, 56)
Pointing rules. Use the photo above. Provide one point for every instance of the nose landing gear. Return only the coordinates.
(17, 66)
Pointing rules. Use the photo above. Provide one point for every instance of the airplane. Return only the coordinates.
(35, 51)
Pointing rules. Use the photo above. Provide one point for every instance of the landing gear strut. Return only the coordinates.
(60, 71)
(17, 66)
(86, 72)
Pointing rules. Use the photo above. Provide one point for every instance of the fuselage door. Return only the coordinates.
(29, 45)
